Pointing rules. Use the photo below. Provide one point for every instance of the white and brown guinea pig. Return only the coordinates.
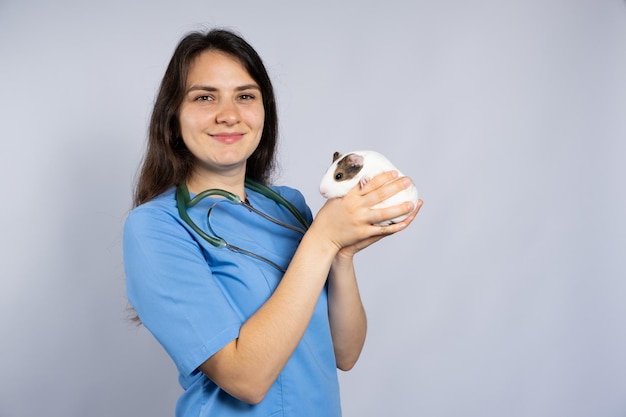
(359, 167)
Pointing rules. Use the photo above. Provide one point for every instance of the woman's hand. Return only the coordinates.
(350, 251)
(350, 223)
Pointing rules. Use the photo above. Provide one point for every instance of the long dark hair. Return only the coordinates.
(167, 160)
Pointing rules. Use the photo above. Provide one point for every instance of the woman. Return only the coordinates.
(256, 328)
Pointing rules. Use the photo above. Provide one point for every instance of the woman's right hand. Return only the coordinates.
(348, 220)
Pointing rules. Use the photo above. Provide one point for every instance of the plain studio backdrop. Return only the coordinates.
(506, 297)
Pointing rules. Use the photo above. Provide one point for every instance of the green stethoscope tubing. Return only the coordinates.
(184, 202)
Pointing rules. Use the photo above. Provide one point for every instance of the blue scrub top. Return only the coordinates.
(194, 297)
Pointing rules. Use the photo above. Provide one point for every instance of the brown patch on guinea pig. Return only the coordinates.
(348, 167)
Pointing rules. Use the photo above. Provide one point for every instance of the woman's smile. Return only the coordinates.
(227, 137)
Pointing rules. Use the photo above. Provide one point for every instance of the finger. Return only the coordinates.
(417, 210)
(389, 229)
(377, 182)
(388, 190)
(412, 215)
(383, 214)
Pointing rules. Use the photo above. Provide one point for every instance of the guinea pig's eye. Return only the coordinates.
(339, 176)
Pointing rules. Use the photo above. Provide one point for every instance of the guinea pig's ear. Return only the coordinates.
(355, 160)
(336, 156)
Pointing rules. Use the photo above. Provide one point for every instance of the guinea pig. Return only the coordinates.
(359, 167)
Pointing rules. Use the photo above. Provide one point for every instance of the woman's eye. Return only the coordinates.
(246, 97)
(204, 97)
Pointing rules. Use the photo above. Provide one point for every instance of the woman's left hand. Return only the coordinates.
(350, 251)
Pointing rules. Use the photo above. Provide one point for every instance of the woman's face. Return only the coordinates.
(221, 116)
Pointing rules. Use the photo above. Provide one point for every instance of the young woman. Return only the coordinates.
(256, 313)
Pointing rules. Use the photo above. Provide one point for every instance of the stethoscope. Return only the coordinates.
(184, 202)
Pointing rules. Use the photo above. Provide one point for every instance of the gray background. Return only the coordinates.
(506, 297)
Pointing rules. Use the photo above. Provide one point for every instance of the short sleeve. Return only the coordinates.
(173, 291)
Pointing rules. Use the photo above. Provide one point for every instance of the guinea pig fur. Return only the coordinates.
(357, 168)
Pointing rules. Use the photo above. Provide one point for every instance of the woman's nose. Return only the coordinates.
(227, 113)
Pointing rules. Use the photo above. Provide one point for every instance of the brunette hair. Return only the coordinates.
(167, 161)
